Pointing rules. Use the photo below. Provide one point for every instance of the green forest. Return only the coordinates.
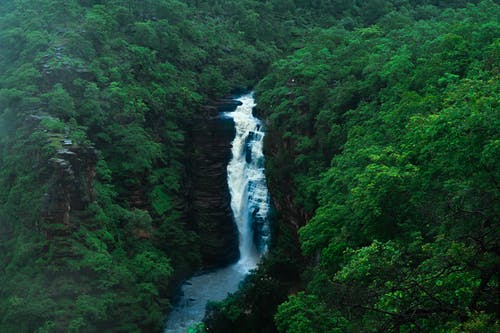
(382, 159)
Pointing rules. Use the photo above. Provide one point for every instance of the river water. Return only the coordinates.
(250, 205)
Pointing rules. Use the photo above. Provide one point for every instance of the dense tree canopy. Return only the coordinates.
(390, 133)
(118, 83)
(382, 153)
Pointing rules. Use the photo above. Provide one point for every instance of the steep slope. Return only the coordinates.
(96, 98)
(382, 154)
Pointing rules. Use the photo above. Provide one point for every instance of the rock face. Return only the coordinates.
(226, 104)
(70, 190)
(209, 198)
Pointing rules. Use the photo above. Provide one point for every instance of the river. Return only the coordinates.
(250, 205)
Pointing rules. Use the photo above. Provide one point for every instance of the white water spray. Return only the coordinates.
(247, 183)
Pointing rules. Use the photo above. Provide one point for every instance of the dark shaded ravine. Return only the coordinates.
(209, 198)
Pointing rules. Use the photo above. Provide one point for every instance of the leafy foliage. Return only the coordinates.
(95, 101)
(388, 133)
(382, 143)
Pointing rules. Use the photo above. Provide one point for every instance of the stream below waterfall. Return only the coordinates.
(250, 205)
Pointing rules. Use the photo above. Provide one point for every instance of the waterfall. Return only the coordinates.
(247, 184)
(250, 205)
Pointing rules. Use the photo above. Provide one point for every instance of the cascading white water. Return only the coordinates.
(247, 183)
(250, 204)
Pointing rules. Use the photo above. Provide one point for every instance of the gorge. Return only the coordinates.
(250, 204)
(127, 176)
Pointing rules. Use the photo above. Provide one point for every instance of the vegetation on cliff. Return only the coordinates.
(382, 159)
(382, 152)
(390, 133)
(96, 98)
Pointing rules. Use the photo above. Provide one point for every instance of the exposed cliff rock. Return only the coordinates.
(210, 211)
(279, 181)
(227, 104)
(70, 189)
